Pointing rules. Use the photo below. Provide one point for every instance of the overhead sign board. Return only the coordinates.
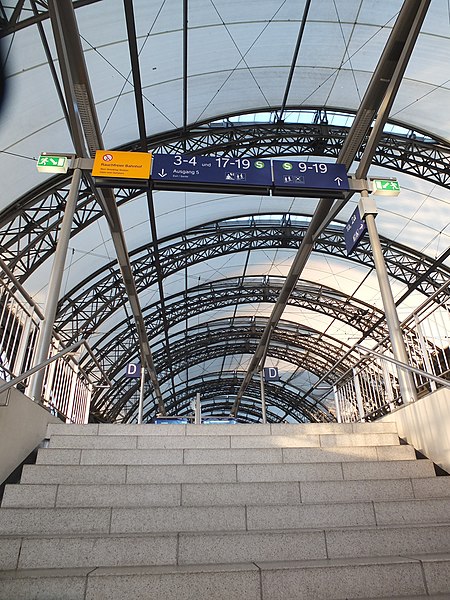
(219, 174)
(385, 187)
(122, 165)
(133, 370)
(354, 230)
(271, 374)
(52, 164)
(211, 170)
(309, 175)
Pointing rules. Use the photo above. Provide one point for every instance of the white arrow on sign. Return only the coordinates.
(338, 180)
(163, 173)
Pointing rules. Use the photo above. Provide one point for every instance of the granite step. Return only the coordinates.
(241, 429)
(22, 521)
(226, 494)
(349, 579)
(110, 473)
(75, 456)
(129, 442)
(108, 550)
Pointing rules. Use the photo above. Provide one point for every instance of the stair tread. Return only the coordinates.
(260, 565)
(35, 495)
(240, 495)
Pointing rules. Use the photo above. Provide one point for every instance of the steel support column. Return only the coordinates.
(378, 98)
(54, 286)
(405, 380)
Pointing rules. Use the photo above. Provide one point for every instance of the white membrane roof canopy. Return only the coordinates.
(223, 78)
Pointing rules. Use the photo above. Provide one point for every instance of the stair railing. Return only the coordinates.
(370, 389)
(67, 389)
(55, 408)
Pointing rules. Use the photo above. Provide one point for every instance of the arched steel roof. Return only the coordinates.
(221, 78)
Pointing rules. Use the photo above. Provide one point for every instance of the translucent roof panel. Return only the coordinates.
(215, 83)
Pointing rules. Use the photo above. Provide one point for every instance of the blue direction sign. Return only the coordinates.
(133, 370)
(271, 374)
(354, 230)
(309, 175)
(212, 170)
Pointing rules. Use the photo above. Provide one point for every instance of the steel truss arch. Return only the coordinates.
(292, 343)
(30, 225)
(287, 402)
(214, 387)
(95, 299)
(113, 350)
(205, 353)
(321, 348)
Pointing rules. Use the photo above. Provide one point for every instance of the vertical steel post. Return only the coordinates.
(405, 380)
(73, 385)
(388, 384)
(198, 410)
(88, 403)
(23, 344)
(48, 378)
(336, 401)
(359, 398)
(54, 285)
(141, 395)
(263, 397)
(425, 355)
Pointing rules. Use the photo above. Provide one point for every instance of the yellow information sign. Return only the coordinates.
(126, 165)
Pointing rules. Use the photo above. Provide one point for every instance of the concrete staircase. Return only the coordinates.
(212, 512)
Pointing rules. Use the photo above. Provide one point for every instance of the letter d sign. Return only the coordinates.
(271, 374)
(133, 370)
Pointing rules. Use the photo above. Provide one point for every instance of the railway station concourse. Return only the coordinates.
(229, 215)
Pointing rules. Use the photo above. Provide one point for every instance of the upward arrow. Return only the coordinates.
(338, 180)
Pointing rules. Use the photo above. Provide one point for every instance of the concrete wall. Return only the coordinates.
(23, 424)
(425, 424)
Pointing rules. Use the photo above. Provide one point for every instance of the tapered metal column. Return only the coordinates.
(263, 397)
(54, 285)
(336, 403)
(405, 380)
(141, 394)
(197, 410)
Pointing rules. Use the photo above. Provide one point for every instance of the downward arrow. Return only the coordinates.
(163, 173)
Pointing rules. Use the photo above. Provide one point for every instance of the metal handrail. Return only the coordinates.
(37, 311)
(440, 380)
(428, 303)
(42, 365)
(16, 283)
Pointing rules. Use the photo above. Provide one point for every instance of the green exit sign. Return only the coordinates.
(386, 187)
(52, 164)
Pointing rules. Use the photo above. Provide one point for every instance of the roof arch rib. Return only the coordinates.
(218, 391)
(94, 300)
(216, 395)
(205, 353)
(308, 349)
(117, 348)
(29, 226)
(223, 293)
